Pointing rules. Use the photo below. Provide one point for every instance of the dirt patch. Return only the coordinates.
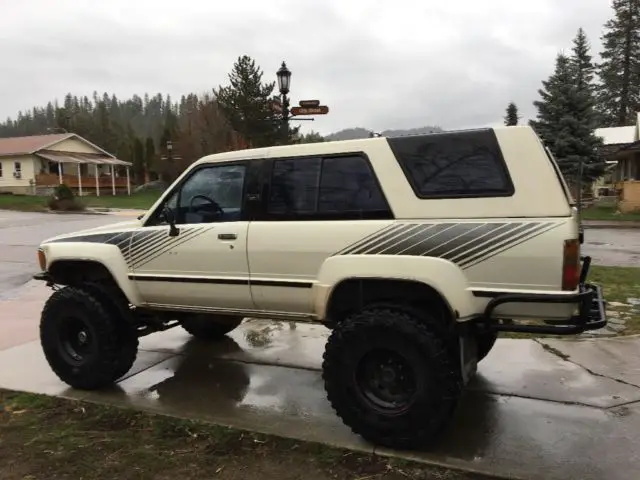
(48, 438)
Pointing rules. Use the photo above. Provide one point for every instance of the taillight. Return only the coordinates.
(571, 264)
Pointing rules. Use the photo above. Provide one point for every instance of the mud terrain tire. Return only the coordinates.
(86, 343)
(391, 378)
(210, 327)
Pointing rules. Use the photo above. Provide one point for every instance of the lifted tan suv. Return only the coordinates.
(415, 251)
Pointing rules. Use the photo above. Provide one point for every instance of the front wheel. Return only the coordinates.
(391, 378)
(86, 343)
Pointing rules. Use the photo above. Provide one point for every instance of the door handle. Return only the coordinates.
(227, 236)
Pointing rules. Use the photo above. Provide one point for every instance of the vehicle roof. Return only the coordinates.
(336, 146)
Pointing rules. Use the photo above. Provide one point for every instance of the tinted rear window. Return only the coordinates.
(453, 164)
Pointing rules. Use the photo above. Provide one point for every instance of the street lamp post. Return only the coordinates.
(284, 84)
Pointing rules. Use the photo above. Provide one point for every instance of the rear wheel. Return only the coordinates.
(391, 378)
(210, 327)
(86, 343)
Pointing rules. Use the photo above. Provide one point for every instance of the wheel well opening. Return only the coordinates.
(73, 272)
(352, 295)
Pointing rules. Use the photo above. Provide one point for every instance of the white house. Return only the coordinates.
(622, 146)
(34, 165)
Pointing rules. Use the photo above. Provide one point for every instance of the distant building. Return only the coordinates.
(34, 165)
(622, 148)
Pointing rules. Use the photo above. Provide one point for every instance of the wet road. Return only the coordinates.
(614, 247)
(21, 233)
(533, 411)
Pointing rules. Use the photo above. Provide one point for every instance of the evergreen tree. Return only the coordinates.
(311, 137)
(581, 60)
(619, 71)
(512, 117)
(247, 105)
(565, 123)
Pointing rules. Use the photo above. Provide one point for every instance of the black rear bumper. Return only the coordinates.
(591, 313)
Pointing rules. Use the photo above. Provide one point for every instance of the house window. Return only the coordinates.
(0, 169)
(17, 169)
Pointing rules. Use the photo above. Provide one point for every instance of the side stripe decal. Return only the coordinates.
(466, 244)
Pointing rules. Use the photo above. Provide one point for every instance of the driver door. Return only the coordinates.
(205, 265)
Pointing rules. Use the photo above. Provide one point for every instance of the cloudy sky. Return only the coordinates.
(397, 64)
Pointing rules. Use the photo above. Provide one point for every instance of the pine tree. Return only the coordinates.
(512, 117)
(619, 71)
(247, 104)
(565, 123)
(581, 60)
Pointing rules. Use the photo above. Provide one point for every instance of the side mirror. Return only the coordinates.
(169, 217)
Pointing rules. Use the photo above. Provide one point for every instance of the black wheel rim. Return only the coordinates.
(387, 381)
(76, 341)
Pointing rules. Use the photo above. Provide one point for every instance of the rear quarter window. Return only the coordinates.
(453, 164)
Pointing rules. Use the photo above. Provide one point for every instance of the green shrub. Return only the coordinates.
(64, 200)
(63, 192)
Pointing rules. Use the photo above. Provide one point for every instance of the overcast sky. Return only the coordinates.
(379, 65)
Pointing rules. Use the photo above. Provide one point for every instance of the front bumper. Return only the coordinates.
(591, 313)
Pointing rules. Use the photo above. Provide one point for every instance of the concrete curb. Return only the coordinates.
(611, 225)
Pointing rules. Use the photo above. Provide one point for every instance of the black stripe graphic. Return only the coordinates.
(403, 243)
(433, 238)
(220, 281)
(175, 242)
(410, 231)
(465, 244)
(500, 235)
(147, 243)
(371, 239)
(538, 230)
(477, 230)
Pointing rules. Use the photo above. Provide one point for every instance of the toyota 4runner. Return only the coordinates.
(414, 251)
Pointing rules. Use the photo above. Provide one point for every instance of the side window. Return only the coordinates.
(317, 188)
(210, 194)
(456, 164)
(0, 168)
(348, 184)
(294, 186)
(17, 167)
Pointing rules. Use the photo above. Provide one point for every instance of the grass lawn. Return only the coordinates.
(142, 200)
(47, 438)
(619, 284)
(28, 203)
(608, 213)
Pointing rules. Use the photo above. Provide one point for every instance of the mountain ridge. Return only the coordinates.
(360, 132)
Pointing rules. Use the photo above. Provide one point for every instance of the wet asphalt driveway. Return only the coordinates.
(537, 409)
(21, 233)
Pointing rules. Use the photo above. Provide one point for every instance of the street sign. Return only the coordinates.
(309, 103)
(320, 110)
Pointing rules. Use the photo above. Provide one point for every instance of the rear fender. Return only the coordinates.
(441, 275)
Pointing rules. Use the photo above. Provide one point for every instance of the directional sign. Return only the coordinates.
(320, 110)
(309, 103)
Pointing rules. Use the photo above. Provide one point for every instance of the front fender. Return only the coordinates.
(109, 256)
(441, 275)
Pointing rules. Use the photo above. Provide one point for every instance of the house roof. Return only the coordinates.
(617, 135)
(30, 144)
(38, 145)
(75, 157)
